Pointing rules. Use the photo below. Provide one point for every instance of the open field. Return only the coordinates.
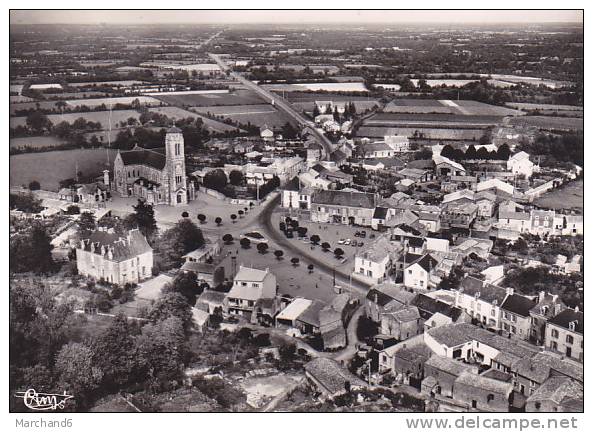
(394, 119)
(571, 195)
(297, 97)
(94, 116)
(427, 132)
(336, 87)
(535, 106)
(35, 142)
(463, 107)
(126, 100)
(447, 82)
(258, 115)
(49, 168)
(519, 79)
(549, 122)
(179, 113)
(237, 97)
(20, 99)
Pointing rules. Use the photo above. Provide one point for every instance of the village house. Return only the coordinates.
(440, 374)
(529, 374)
(446, 167)
(418, 274)
(511, 216)
(105, 255)
(376, 260)
(564, 334)
(376, 150)
(402, 323)
(405, 360)
(520, 164)
(399, 143)
(547, 307)
(480, 393)
(266, 134)
(557, 394)
(249, 285)
(481, 301)
(329, 379)
(458, 215)
(418, 175)
(385, 297)
(346, 208)
(515, 318)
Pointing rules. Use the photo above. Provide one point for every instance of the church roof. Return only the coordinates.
(174, 129)
(140, 156)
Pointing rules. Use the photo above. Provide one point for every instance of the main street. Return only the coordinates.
(279, 103)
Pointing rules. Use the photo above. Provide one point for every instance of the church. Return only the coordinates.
(155, 175)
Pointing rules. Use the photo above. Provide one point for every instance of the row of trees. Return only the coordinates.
(502, 153)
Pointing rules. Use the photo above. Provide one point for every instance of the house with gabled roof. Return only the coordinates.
(375, 261)
(557, 394)
(343, 207)
(481, 393)
(481, 300)
(386, 297)
(564, 334)
(249, 286)
(417, 275)
(547, 307)
(515, 318)
(114, 258)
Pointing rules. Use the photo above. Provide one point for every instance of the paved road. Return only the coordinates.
(279, 103)
(264, 220)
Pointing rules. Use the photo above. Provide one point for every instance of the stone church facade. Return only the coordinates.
(155, 175)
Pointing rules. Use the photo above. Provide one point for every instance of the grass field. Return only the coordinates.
(535, 106)
(462, 107)
(179, 113)
(48, 168)
(237, 97)
(429, 133)
(297, 97)
(549, 122)
(144, 100)
(35, 142)
(258, 115)
(396, 118)
(95, 116)
(569, 196)
(336, 87)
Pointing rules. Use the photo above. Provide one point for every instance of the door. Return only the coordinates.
(179, 198)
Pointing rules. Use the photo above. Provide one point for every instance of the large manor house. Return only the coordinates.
(156, 175)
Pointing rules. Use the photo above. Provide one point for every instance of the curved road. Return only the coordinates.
(264, 219)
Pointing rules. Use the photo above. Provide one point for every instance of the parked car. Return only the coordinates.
(347, 242)
(341, 241)
(363, 234)
(255, 237)
(357, 234)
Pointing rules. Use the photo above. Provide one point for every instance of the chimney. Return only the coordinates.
(576, 309)
(510, 291)
(106, 177)
(541, 297)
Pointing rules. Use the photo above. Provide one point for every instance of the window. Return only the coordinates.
(569, 339)
(554, 333)
(490, 398)
(538, 405)
(554, 345)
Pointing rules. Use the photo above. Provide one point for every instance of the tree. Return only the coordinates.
(310, 267)
(338, 252)
(38, 122)
(448, 152)
(503, 152)
(236, 177)
(227, 238)
(186, 284)
(233, 217)
(34, 185)
(31, 251)
(176, 242)
(287, 352)
(278, 253)
(218, 221)
(86, 224)
(262, 248)
(294, 261)
(302, 231)
(471, 152)
(115, 354)
(215, 179)
(143, 217)
(315, 239)
(72, 210)
(241, 212)
(184, 214)
(171, 304)
(325, 246)
(245, 243)
(202, 218)
(76, 371)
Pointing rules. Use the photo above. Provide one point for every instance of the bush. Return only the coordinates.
(34, 185)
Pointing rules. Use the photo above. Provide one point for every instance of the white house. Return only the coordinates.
(417, 275)
(116, 259)
(375, 261)
(520, 164)
(249, 286)
(399, 143)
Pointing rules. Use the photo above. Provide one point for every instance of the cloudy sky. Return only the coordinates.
(280, 16)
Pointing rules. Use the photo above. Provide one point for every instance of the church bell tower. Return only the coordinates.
(176, 166)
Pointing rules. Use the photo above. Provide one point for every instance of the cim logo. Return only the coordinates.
(43, 401)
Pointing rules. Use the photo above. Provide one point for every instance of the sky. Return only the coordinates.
(283, 16)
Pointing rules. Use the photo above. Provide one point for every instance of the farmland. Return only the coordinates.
(124, 83)
(94, 116)
(464, 107)
(258, 115)
(336, 87)
(127, 100)
(50, 167)
(426, 133)
(393, 119)
(568, 196)
(179, 113)
(35, 142)
(237, 97)
(549, 122)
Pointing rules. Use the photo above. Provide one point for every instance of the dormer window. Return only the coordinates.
(572, 325)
